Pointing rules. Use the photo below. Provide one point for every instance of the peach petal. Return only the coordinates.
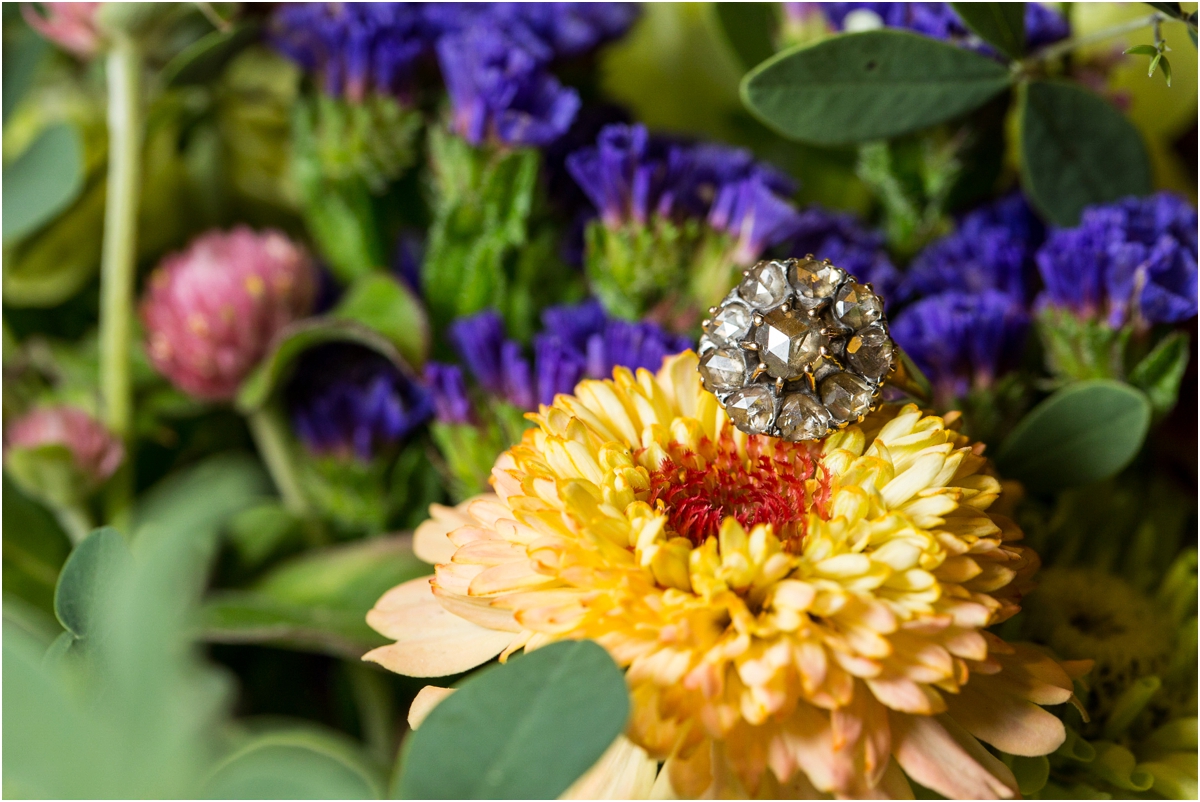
(431, 541)
(624, 771)
(430, 640)
(1007, 722)
(425, 701)
(940, 755)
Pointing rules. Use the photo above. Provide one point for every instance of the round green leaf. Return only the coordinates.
(295, 764)
(857, 87)
(43, 181)
(1001, 25)
(1077, 149)
(99, 560)
(523, 730)
(1085, 432)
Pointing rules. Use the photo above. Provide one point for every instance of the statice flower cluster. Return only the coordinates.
(494, 57)
(937, 20)
(1129, 261)
(348, 401)
(578, 341)
(966, 321)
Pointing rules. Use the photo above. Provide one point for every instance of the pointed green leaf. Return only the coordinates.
(748, 28)
(43, 181)
(1166, 70)
(1077, 149)
(1154, 64)
(1159, 374)
(1002, 25)
(93, 564)
(1085, 432)
(1142, 50)
(381, 303)
(856, 87)
(1170, 9)
(526, 729)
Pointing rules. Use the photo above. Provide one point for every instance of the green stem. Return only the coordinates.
(119, 253)
(271, 438)
(75, 521)
(373, 697)
(1053, 51)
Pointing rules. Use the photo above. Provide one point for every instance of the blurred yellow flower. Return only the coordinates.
(794, 618)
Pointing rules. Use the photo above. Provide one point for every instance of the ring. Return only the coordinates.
(799, 349)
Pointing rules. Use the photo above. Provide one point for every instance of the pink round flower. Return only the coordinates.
(96, 452)
(71, 26)
(211, 311)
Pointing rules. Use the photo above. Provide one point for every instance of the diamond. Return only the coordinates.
(801, 418)
(764, 285)
(731, 325)
(723, 369)
(846, 396)
(814, 282)
(787, 342)
(856, 306)
(751, 409)
(870, 352)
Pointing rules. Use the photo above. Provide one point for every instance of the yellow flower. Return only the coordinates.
(793, 618)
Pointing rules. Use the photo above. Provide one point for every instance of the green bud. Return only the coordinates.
(1081, 348)
(634, 267)
(1116, 765)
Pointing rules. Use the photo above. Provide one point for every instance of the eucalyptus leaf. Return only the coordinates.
(526, 729)
(294, 340)
(43, 181)
(1160, 372)
(381, 303)
(1085, 432)
(95, 564)
(856, 87)
(315, 602)
(296, 763)
(1077, 149)
(748, 28)
(1001, 25)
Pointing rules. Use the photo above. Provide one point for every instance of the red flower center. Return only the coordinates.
(765, 486)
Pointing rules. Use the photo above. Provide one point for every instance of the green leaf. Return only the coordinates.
(1159, 374)
(1031, 772)
(1001, 25)
(748, 28)
(43, 181)
(256, 390)
(1142, 50)
(857, 87)
(203, 60)
(298, 763)
(1085, 432)
(1166, 69)
(316, 602)
(381, 303)
(34, 549)
(1077, 149)
(1170, 9)
(86, 576)
(258, 532)
(1154, 64)
(523, 730)
(23, 54)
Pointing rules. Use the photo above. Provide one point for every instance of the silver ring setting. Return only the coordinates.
(798, 349)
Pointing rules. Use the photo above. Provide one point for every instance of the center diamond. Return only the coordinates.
(787, 343)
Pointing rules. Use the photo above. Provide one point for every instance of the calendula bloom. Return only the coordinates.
(793, 618)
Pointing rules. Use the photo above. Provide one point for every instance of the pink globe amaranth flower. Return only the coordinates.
(211, 311)
(96, 452)
(71, 26)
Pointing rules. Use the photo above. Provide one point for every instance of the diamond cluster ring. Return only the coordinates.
(798, 349)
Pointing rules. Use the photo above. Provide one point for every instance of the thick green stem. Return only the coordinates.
(75, 521)
(271, 438)
(1051, 52)
(119, 254)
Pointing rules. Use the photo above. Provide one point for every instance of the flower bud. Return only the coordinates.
(211, 311)
(71, 26)
(92, 454)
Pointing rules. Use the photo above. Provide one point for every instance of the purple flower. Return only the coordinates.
(939, 20)
(1135, 258)
(557, 30)
(578, 341)
(407, 259)
(446, 384)
(757, 218)
(628, 176)
(347, 400)
(961, 340)
(992, 249)
(842, 239)
(354, 47)
(500, 89)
